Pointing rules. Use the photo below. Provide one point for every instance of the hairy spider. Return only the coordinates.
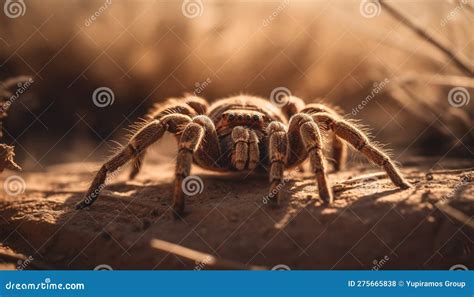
(246, 133)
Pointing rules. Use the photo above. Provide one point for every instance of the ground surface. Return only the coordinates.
(371, 224)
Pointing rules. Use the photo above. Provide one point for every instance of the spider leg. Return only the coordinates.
(254, 151)
(190, 106)
(339, 147)
(198, 140)
(137, 165)
(360, 141)
(339, 152)
(292, 107)
(306, 131)
(208, 153)
(277, 151)
(240, 154)
(137, 144)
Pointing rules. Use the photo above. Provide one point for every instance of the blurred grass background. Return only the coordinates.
(146, 51)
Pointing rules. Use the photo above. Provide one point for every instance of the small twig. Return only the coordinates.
(460, 61)
(451, 171)
(199, 257)
(371, 176)
(366, 177)
(441, 80)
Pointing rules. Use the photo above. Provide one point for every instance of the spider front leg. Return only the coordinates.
(190, 106)
(277, 151)
(136, 146)
(361, 142)
(137, 165)
(339, 147)
(308, 138)
(199, 140)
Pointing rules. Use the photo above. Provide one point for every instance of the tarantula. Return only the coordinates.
(246, 133)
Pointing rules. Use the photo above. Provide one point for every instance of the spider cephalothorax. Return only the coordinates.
(246, 133)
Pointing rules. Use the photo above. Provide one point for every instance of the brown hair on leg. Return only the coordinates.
(277, 152)
(314, 145)
(149, 134)
(137, 144)
(209, 152)
(254, 151)
(339, 153)
(339, 147)
(361, 142)
(308, 140)
(293, 106)
(189, 142)
(189, 106)
(137, 165)
(240, 136)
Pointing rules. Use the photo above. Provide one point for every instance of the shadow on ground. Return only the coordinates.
(371, 225)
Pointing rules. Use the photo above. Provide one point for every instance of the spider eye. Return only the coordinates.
(240, 117)
(256, 118)
(231, 117)
(248, 117)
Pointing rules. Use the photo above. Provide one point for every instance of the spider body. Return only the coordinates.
(242, 122)
(246, 133)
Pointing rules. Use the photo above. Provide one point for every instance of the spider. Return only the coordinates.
(246, 133)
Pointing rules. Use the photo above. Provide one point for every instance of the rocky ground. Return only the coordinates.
(372, 224)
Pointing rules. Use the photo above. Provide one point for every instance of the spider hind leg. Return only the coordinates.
(361, 142)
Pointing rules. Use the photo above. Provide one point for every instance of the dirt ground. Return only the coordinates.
(372, 224)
